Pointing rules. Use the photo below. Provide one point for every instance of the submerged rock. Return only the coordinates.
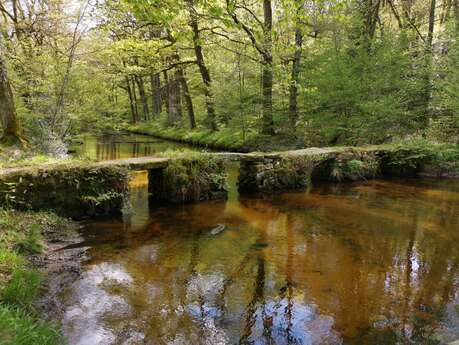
(218, 229)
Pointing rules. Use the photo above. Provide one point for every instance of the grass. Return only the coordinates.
(229, 139)
(12, 157)
(17, 327)
(22, 234)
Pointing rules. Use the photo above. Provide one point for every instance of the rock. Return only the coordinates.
(218, 229)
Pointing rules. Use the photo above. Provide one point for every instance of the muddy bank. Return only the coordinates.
(60, 264)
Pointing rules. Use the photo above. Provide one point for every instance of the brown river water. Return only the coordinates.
(375, 262)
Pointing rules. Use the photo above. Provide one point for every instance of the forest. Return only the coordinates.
(215, 172)
(287, 73)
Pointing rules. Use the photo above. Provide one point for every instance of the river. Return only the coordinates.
(375, 262)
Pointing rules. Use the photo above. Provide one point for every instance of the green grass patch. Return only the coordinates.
(228, 139)
(17, 327)
(22, 234)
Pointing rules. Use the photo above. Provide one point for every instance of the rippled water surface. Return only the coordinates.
(369, 263)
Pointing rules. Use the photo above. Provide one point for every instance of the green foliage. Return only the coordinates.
(98, 190)
(33, 242)
(21, 234)
(19, 328)
(22, 288)
(356, 97)
(410, 156)
(354, 167)
(192, 178)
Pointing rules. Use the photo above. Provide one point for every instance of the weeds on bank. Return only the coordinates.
(21, 235)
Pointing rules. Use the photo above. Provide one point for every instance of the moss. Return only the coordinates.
(69, 191)
(354, 166)
(193, 178)
(271, 174)
(410, 158)
(224, 139)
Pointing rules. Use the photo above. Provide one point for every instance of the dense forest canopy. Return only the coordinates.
(318, 72)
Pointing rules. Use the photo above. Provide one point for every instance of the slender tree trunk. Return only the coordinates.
(267, 72)
(187, 98)
(143, 97)
(155, 83)
(12, 134)
(428, 65)
(456, 14)
(174, 100)
(134, 98)
(430, 32)
(131, 99)
(293, 108)
(165, 92)
(205, 75)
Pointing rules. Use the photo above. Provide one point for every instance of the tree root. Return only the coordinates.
(13, 140)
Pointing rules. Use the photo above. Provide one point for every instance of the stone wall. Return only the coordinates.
(270, 173)
(192, 179)
(71, 191)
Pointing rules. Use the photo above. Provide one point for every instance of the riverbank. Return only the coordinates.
(32, 272)
(223, 139)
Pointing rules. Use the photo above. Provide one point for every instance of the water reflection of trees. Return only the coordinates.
(298, 270)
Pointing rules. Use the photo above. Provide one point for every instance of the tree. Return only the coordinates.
(12, 133)
(264, 47)
(204, 71)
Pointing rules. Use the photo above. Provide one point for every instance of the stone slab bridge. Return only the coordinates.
(80, 188)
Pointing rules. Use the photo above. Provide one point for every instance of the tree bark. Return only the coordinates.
(165, 92)
(187, 98)
(426, 94)
(131, 99)
(12, 134)
(456, 14)
(205, 75)
(156, 101)
(143, 97)
(134, 98)
(431, 25)
(174, 100)
(267, 72)
(293, 108)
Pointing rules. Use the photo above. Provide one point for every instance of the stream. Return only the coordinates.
(374, 262)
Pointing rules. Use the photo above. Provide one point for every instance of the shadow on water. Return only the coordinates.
(369, 263)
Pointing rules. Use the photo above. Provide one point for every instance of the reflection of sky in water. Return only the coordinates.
(90, 303)
(318, 268)
(96, 299)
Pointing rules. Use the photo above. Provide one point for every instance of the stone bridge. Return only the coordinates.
(80, 188)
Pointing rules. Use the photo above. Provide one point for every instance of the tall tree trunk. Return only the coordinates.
(165, 92)
(456, 14)
(293, 109)
(187, 98)
(134, 98)
(131, 99)
(174, 100)
(430, 32)
(205, 75)
(426, 94)
(267, 72)
(11, 128)
(155, 84)
(143, 97)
